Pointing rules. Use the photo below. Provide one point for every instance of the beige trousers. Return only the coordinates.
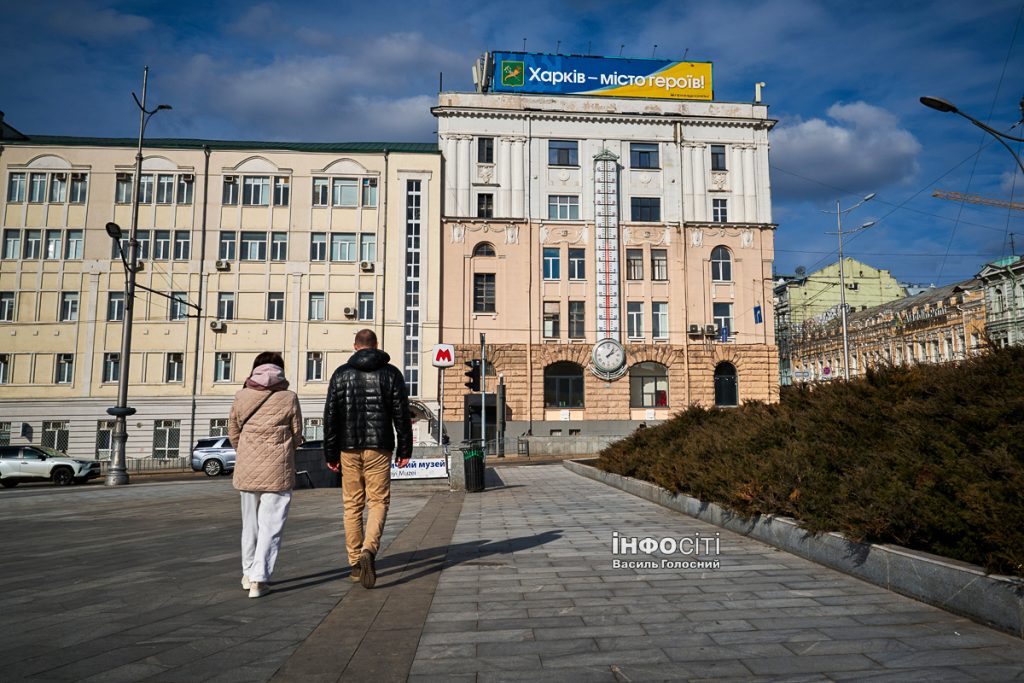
(365, 483)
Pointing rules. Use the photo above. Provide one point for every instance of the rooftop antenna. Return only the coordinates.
(524, 44)
(588, 47)
(1013, 247)
(685, 52)
(621, 48)
(558, 46)
(654, 51)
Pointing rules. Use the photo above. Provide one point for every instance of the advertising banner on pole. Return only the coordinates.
(524, 72)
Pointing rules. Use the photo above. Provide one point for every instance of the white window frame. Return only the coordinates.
(222, 366)
(635, 319)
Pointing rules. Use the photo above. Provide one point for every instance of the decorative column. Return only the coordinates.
(450, 146)
(737, 208)
(463, 181)
(700, 184)
(504, 177)
(686, 169)
(518, 177)
(749, 189)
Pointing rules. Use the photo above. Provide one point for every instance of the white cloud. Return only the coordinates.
(860, 148)
(1012, 182)
(98, 24)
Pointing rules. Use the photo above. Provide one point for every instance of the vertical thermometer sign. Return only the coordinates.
(606, 197)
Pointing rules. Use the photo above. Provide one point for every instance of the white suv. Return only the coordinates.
(39, 463)
(213, 456)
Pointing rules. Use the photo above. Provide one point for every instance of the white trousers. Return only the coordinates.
(263, 516)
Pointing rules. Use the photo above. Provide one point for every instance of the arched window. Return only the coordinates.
(1000, 303)
(563, 385)
(484, 249)
(721, 265)
(726, 387)
(648, 386)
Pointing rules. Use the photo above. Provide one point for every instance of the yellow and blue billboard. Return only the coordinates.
(525, 72)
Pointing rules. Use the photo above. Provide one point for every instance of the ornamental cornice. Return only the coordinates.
(508, 229)
(558, 234)
(605, 117)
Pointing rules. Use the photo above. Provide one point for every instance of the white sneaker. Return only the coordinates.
(257, 590)
(246, 583)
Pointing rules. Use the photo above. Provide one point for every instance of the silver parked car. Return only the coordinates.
(214, 456)
(39, 463)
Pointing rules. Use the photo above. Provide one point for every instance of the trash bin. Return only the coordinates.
(473, 464)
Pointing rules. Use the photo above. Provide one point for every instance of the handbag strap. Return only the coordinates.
(255, 410)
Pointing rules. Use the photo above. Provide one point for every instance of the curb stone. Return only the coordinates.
(957, 587)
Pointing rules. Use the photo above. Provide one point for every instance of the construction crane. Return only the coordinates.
(978, 199)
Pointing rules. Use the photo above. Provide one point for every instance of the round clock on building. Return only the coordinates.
(608, 355)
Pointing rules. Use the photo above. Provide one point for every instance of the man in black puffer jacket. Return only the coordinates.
(367, 404)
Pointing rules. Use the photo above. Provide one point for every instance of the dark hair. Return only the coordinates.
(271, 357)
(366, 339)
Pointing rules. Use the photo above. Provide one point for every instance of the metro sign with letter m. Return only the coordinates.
(444, 355)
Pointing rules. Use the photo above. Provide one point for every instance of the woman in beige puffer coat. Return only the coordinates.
(265, 427)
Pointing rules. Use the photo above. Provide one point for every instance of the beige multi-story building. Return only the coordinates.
(616, 253)
(289, 247)
(939, 325)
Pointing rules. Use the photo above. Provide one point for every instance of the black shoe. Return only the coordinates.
(354, 573)
(367, 570)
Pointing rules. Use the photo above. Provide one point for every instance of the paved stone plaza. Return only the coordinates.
(517, 583)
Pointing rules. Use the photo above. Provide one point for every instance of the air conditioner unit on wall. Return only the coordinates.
(350, 312)
(188, 177)
(711, 330)
(78, 176)
(223, 264)
(218, 325)
(694, 329)
(366, 266)
(230, 179)
(124, 176)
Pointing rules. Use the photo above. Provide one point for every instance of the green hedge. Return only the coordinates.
(927, 457)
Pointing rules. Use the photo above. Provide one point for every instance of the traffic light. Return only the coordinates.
(473, 383)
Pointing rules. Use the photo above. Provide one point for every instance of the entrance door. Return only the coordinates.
(726, 385)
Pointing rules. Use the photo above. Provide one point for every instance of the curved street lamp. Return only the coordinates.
(117, 473)
(939, 104)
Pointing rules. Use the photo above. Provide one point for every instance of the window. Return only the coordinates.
(275, 305)
(230, 190)
(219, 426)
(369, 192)
(721, 265)
(256, 190)
(222, 367)
(485, 150)
(485, 205)
(563, 385)
(253, 246)
(182, 245)
(722, 314)
(318, 246)
(366, 305)
(115, 306)
(79, 188)
(53, 243)
(577, 264)
(346, 192)
(282, 190)
(483, 293)
(726, 385)
(166, 434)
(64, 368)
(314, 366)
(343, 246)
(111, 367)
(413, 305)
(146, 189)
(69, 306)
(551, 320)
(73, 245)
(563, 153)
(12, 244)
(16, 187)
(178, 309)
(320, 192)
(142, 237)
(484, 249)
(164, 189)
(635, 319)
(634, 264)
(104, 438)
(317, 306)
(37, 188)
(185, 186)
(58, 188)
(718, 157)
(659, 264)
(313, 428)
(367, 247)
(563, 207)
(577, 319)
(719, 210)
(645, 209)
(659, 320)
(33, 239)
(174, 371)
(643, 155)
(5, 368)
(123, 188)
(648, 385)
(552, 263)
(7, 307)
(226, 248)
(226, 306)
(55, 435)
(278, 246)
(162, 245)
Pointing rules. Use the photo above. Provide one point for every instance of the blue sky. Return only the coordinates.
(843, 80)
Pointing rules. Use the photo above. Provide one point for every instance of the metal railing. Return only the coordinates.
(141, 465)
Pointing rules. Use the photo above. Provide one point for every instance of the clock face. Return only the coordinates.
(608, 355)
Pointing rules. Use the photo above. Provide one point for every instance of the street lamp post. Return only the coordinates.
(117, 473)
(842, 276)
(939, 104)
